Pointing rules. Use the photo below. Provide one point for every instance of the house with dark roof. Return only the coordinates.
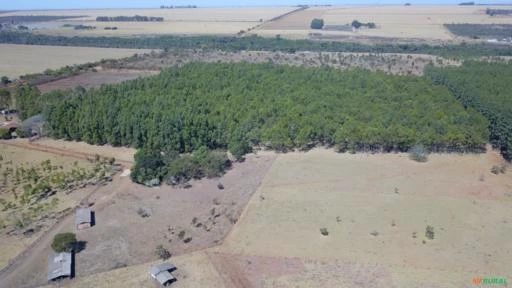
(161, 273)
(83, 218)
(60, 266)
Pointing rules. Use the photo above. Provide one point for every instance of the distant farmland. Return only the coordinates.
(225, 21)
(18, 60)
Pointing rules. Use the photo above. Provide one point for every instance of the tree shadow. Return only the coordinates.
(79, 246)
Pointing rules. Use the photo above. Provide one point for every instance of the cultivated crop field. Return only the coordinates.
(415, 22)
(176, 21)
(17, 60)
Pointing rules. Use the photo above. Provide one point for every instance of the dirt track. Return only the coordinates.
(59, 151)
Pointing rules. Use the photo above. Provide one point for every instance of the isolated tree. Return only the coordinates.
(356, 24)
(317, 23)
(5, 80)
(63, 242)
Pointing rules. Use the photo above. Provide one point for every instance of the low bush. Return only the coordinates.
(418, 153)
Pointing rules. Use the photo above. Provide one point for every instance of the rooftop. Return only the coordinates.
(83, 215)
(59, 265)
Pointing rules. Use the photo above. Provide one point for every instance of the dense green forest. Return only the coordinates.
(487, 88)
(253, 43)
(237, 106)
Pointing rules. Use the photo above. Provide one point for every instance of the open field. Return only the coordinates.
(14, 241)
(176, 21)
(18, 60)
(375, 209)
(92, 79)
(415, 22)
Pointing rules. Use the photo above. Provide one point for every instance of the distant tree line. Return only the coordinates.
(477, 31)
(466, 3)
(178, 6)
(486, 88)
(136, 18)
(253, 43)
(494, 12)
(33, 18)
(356, 24)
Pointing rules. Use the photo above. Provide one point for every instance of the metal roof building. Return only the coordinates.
(59, 265)
(83, 218)
(161, 273)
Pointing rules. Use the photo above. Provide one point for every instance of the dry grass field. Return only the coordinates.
(17, 60)
(375, 208)
(414, 22)
(176, 21)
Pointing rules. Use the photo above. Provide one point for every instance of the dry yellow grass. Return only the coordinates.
(18, 60)
(355, 195)
(424, 22)
(194, 271)
(176, 21)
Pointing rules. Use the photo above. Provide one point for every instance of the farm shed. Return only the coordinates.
(161, 273)
(83, 218)
(59, 266)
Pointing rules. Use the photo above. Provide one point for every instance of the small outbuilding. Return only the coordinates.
(161, 273)
(60, 266)
(83, 218)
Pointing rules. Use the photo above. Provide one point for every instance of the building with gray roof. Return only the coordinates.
(60, 266)
(161, 273)
(83, 218)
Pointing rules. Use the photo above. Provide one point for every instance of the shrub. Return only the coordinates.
(418, 153)
(324, 231)
(4, 133)
(429, 232)
(162, 253)
(317, 23)
(495, 169)
(63, 242)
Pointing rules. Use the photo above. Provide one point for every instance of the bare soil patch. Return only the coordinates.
(92, 79)
(122, 237)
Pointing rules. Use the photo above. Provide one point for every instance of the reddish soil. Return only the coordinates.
(91, 79)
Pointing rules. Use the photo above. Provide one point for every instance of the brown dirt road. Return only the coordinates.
(59, 151)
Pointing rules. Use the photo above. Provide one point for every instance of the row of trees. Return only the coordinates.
(253, 43)
(485, 87)
(239, 106)
(136, 18)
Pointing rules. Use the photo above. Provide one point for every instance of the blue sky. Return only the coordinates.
(69, 4)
